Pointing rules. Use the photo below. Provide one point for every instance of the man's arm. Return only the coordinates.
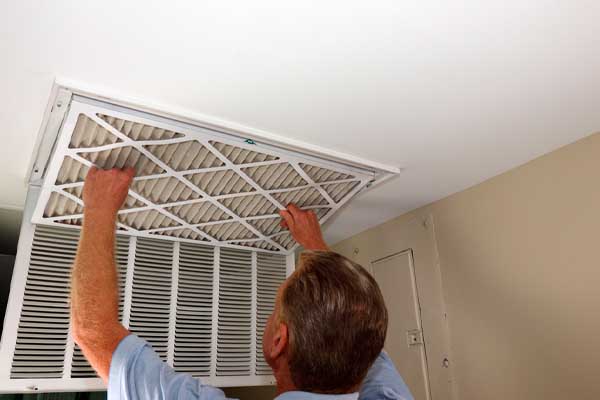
(94, 290)
(132, 370)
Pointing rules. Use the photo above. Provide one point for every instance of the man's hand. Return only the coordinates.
(304, 227)
(105, 191)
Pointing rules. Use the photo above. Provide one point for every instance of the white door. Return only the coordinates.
(404, 343)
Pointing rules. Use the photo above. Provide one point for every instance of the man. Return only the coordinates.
(323, 340)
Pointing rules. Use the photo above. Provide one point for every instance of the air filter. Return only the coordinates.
(192, 183)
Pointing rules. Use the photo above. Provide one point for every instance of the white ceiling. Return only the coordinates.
(454, 92)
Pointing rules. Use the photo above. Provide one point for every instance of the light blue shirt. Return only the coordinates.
(137, 373)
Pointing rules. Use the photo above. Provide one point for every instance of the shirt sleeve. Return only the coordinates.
(384, 382)
(136, 373)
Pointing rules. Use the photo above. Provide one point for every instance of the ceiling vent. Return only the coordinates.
(200, 249)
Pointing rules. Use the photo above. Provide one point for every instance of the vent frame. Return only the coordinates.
(296, 154)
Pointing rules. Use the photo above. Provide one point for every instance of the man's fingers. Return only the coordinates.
(288, 219)
(127, 175)
(294, 209)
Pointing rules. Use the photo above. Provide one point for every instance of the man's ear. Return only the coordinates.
(280, 341)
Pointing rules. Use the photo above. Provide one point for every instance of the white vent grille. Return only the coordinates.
(193, 330)
(192, 184)
(271, 272)
(151, 293)
(44, 323)
(201, 307)
(235, 312)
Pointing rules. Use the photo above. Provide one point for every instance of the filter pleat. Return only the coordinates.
(138, 131)
(218, 183)
(320, 175)
(88, 133)
(164, 190)
(185, 156)
(122, 157)
(275, 176)
(238, 155)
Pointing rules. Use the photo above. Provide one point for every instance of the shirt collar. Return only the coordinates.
(298, 395)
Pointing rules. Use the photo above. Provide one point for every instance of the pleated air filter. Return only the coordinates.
(200, 249)
(192, 184)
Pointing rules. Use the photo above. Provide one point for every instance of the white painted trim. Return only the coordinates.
(215, 312)
(49, 129)
(173, 304)
(17, 288)
(253, 308)
(69, 349)
(129, 281)
(417, 306)
(290, 263)
(453, 389)
(96, 384)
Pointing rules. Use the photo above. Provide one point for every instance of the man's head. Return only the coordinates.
(328, 326)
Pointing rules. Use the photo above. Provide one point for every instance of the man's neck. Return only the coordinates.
(284, 379)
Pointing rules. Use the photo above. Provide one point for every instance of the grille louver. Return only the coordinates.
(193, 330)
(44, 323)
(151, 293)
(271, 272)
(235, 313)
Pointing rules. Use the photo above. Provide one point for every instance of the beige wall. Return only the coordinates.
(520, 265)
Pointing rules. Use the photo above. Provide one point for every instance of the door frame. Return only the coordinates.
(415, 233)
(417, 306)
